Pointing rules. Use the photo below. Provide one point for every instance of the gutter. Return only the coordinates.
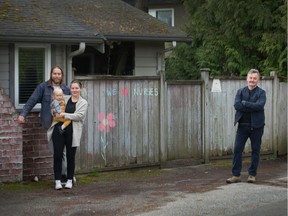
(149, 38)
(91, 40)
(81, 50)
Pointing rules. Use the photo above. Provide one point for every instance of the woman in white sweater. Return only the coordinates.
(76, 108)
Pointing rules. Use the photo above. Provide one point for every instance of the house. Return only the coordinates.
(85, 38)
(92, 37)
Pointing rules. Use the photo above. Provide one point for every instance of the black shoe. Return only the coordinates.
(61, 131)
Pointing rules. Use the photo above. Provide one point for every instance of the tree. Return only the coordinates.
(231, 36)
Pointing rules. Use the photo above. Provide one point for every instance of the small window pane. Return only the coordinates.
(165, 16)
(31, 71)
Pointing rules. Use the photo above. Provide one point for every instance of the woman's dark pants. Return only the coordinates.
(59, 141)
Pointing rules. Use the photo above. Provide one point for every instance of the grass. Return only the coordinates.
(26, 185)
(85, 178)
(117, 175)
(245, 160)
(97, 176)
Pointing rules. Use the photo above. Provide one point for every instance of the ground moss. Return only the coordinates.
(95, 176)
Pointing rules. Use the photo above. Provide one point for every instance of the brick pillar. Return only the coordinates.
(37, 159)
(11, 157)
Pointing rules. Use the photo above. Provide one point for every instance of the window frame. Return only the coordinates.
(153, 12)
(47, 69)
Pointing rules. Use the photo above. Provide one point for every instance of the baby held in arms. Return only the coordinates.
(58, 107)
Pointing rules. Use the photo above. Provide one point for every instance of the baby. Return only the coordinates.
(57, 107)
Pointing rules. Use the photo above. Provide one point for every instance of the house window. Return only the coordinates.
(31, 68)
(165, 15)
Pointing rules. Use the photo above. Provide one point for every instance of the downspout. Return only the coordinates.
(69, 60)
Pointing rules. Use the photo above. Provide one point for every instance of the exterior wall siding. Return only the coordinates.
(58, 57)
(147, 62)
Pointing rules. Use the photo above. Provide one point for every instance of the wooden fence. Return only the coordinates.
(136, 121)
(122, 125)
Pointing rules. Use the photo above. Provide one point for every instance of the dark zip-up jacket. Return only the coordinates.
(254, 104)
(43, 94)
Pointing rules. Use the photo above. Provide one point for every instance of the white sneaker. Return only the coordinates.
(58, 185)
(69, 184)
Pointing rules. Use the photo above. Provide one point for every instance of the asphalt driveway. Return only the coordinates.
(185, 190)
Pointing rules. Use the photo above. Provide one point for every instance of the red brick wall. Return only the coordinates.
(37, 159)
(11, 157)
(24, 151)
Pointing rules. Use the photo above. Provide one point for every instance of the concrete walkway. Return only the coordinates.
(234, 199)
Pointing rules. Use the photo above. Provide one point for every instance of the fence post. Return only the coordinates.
(163, 117)
(205, 120)
(274, 112)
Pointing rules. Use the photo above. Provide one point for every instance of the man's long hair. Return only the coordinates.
(62, 78)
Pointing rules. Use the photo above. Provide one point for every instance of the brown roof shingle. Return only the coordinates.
(78, 20)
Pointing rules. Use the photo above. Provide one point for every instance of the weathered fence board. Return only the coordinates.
(282, 119)
(121, 125)
(221, 133)
(184, 114)
(126, 126)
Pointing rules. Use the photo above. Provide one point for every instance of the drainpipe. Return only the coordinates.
(69, 61)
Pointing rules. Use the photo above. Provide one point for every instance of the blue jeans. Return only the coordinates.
(243, 133)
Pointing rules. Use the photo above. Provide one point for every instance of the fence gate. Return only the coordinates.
(122, 124)
(184, 120)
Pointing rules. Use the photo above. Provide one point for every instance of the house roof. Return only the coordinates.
(156, 2)
(80, 20)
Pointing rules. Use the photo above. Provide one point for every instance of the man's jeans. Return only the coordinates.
(244, 132)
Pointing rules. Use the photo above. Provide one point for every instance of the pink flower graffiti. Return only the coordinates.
(105, 123)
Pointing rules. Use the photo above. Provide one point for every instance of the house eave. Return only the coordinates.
(62, 40)
(148, 38)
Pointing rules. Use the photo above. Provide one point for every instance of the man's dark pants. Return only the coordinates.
(245, 131)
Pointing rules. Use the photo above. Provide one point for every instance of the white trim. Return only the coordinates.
(47, 48)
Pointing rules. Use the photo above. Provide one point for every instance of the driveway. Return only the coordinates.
(182, 190)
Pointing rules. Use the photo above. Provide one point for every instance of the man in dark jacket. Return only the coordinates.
(249, 105)
(43, 94)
